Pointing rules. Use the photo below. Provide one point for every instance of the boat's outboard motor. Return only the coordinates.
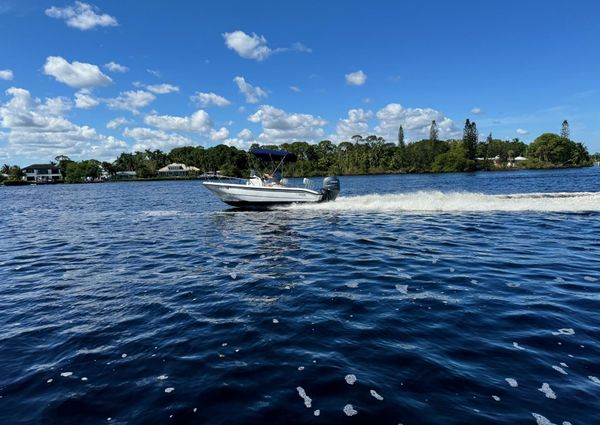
(331, 188)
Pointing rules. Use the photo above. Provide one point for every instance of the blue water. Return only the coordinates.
(133, 303)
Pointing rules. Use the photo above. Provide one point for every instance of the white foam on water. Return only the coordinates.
(590, 278)
(495, 397)
(350, 379)
(437, 201)
(563, 364)
(376, 395)
(162, 377)
(512, 382)
(84, 379)
(352, 285)
(548, 392)
(275, 321)
(306, 398)
(123, 355)
(169, 390)
(349, 410)
(161, 213)
(317, 412)
(300, 367)
(66, 374)
(403, 289)
(404, 276)
(594, 379)
(49, 381)
(564, 331)
(559, 369)
(517, 346)
(541, 420)
(566, 423)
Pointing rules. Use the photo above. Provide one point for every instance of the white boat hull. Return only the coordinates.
(240, 195)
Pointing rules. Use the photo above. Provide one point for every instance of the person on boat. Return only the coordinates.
(273, 178)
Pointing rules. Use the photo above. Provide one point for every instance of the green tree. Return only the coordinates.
(63, 161)
(564, 130)
(433, 131)
(470, 140)
(15, 173)
(558, 151)
(401, 138)
(455, 160)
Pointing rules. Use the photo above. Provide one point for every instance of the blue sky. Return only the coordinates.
(93, 79)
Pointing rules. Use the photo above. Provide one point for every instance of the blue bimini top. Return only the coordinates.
(273, 155)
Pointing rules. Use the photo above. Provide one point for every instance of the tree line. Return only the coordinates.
(359, 155)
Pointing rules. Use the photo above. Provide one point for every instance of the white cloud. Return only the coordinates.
(131, 101)
(209, 99)
(357, 78)
(56, 106)
(252, 93)
(476, 111)
(248, 46)
(154, 72)
(115, 67)
(147, 138)
(6, 74)
(40, 129)
(253, 46)
(356, 123)
(280, 126)
(220, 134)
(76, 74)
(117, 122)
(162, 88)
(238, 143)
(522, 131)
(296, 89)
(245, 134)
(299, 47)
(82, 16)
(84, 99)
(415, 121)
(198, 122)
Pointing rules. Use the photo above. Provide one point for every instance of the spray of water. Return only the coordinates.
(435, 201)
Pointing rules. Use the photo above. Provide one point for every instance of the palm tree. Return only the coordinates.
(580, 154)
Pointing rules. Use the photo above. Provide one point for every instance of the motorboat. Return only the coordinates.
(263, 191)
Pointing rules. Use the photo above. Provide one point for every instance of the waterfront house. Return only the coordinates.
(177, 170)
(42, 173)
(516, 162)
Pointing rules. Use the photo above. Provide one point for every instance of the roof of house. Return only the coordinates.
(42, 167)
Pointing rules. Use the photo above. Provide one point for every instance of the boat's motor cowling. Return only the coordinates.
(331, 188)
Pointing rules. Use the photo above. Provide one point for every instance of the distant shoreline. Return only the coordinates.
(150, 179)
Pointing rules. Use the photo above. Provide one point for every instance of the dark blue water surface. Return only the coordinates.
(452, 299)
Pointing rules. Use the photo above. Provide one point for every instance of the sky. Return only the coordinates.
(94, 79)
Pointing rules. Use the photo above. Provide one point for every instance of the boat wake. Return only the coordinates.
(435, 201)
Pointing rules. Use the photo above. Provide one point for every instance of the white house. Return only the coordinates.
(177, 170)
(42, 173)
